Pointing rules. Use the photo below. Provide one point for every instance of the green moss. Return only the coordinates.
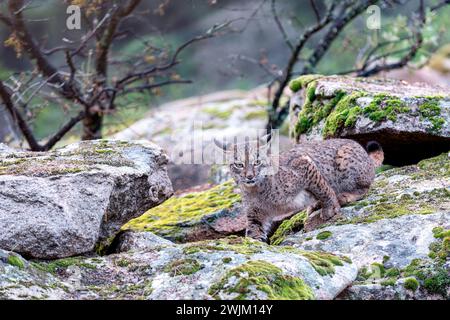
(257, 114)
(430, 109)
(440, 249)
(324, 263)
(385, 107)
(302, 81)
(411, 284)
(287, 227)
(16, 261)
(226, 260)
(166, 219)
(438, 282)
(123, 263)
(183, 267)
(217, 113)
(311, 114)
(323, 235)
(388, 282)
(429, 274)
(88, 155)
(62, 264)
(392, 272)
(104, 151)
(383, 167)
(382, 206)
(232, 243)
(439, 166)
(344, 114)
(261, 276)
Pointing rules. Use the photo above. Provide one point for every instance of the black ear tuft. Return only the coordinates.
(222, 145)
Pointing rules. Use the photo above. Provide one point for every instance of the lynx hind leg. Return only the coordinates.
(319, 187)
(348, 197)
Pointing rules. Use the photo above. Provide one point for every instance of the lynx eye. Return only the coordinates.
(257, 163)
(238, 165)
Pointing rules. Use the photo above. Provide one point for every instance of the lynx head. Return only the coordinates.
(249, 161)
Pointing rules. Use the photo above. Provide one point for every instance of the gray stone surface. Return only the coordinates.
(189, 271)
(72, 200)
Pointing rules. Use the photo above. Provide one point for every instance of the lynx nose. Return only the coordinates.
(249, 176)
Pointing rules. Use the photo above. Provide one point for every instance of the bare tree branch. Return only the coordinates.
(420, 14)
(15, 114)
(280, 26)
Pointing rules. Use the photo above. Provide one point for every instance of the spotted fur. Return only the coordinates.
(312, 175)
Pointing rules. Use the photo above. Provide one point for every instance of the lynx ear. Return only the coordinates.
(224, 146)
(265, 140)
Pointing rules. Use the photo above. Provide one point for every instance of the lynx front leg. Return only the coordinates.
(258, 224)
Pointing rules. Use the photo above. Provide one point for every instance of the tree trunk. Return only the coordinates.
(92, 126)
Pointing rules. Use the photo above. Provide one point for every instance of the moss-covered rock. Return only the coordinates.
(266, 278)
(233, 267)
(388, 111)
(194, 216)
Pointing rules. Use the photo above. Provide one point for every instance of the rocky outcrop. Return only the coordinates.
(398, 235)
(230, 268)
(410, 121)
(74, 200)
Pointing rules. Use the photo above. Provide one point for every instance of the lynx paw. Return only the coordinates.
(316, 219)
(329, 212)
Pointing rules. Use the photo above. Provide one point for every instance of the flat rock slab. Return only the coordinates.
(410, 121)
(74, 200)
(401, 239)
(230, 268)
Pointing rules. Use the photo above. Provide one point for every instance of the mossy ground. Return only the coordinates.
(265, 277)
(429, 274)
(183, 267)
(57, 265)
(323, 235)
(324, 263)
(16, 261)
(387, 200)
(168, 218)
(287, 227)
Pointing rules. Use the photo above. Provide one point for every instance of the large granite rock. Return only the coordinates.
(74, 200)
(230, 268)
(410, 121)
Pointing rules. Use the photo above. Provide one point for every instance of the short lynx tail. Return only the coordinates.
(375, 152)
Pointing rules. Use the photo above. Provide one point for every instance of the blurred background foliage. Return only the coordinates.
(216, 64)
